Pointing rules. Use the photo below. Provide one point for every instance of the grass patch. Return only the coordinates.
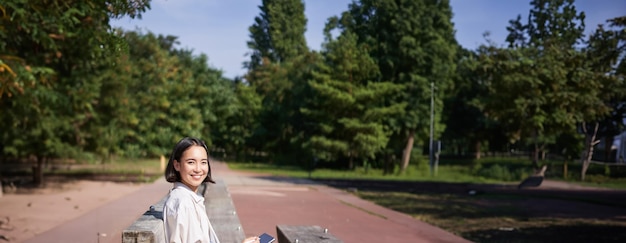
(136, 170)
(483, 171)
(413, 173)
(121, 170)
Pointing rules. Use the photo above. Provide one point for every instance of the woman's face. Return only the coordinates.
(193, 166)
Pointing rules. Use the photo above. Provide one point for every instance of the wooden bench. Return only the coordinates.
(149, 227)
(304, 234)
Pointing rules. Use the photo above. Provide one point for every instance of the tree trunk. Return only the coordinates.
(536, 151)
(406, 156)
(388, 168)
(477, 149)
(587, 154)
(38, 172)
(350, 162)
(608, 141)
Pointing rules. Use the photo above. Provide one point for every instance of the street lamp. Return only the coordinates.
(432, 124)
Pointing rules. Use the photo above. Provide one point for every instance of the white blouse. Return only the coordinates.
(185, 217)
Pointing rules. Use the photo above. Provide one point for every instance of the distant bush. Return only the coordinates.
(501, 172)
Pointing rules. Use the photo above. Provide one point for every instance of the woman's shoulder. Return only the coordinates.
(177, 197)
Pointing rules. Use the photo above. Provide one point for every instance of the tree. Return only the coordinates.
(541, 60)
(213, 95)
(161, 84)
(413, 45)
(278, 32)
(113, 113)
(41, 36)
(604, 62)
(467, 127)
(48, 58)
(345, 112)
(236, 135)
(278, 69)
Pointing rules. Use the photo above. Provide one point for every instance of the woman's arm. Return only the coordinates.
(253, 239)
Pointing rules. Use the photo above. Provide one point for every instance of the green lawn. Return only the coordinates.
(488, 170)
(135, 170)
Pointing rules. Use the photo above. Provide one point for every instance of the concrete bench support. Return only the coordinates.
(304, 234)
(221, 211)
(149, 227)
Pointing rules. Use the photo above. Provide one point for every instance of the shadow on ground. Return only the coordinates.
(502, 213)
(571, 234)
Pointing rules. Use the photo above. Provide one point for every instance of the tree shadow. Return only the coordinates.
(478, 212)
(569, 233)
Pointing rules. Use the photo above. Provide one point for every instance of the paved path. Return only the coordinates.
(105, 224)
(263, 202)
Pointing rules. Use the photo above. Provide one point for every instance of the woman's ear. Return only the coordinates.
(176, 165)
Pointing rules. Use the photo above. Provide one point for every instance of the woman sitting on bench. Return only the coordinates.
(184, 214)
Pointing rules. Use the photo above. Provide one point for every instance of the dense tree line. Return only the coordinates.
(550, 82)
(73, 87)
(50, 55)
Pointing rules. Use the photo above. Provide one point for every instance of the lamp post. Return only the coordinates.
(432, 124)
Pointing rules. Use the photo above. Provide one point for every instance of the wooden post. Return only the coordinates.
(162, 163)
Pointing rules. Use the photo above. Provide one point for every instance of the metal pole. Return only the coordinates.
(430, 142)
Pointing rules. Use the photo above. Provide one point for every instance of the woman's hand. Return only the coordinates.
(253, 239)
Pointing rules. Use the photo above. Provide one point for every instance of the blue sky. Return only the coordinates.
(219, 28)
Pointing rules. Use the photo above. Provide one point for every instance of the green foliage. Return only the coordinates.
(237, 129)
(468, 128)
(501, 172)
(72, 87)
(563, 85)
(345, 111)
(44, 36)
(447, 173)
(279, 67)
(412, 43)
(498, 170)
(50, 56)
(419, 162)
(278, 32)
(185, 97)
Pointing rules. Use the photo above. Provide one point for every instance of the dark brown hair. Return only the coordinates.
(171, 175)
